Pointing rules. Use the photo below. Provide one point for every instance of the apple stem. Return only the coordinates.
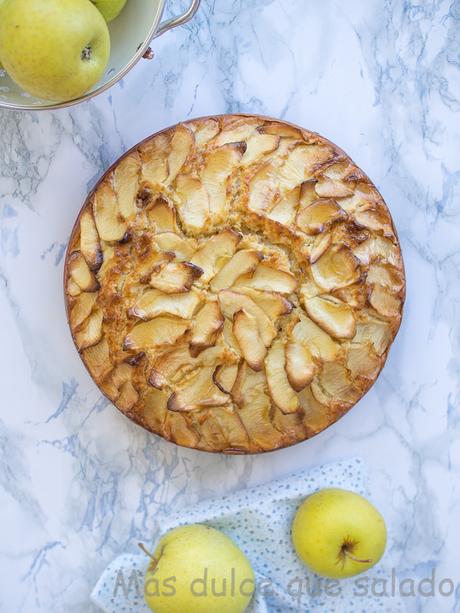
(86, 53)
(352, 557)
(146, 551)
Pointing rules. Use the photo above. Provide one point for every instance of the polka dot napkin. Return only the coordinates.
(259, 521)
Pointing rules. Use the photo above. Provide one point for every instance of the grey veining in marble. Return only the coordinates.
(78, 482)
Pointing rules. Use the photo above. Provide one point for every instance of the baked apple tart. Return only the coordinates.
(234, 284)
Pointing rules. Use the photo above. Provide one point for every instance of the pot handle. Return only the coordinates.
(169, 24)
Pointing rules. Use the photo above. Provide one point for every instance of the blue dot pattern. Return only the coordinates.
(259, 521)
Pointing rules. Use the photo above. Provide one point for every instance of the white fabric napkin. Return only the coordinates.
(259, 521)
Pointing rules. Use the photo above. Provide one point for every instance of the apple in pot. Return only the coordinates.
(53, 49)
(109, 8)
(338, 533)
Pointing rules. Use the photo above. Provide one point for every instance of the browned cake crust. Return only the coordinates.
(234, 284)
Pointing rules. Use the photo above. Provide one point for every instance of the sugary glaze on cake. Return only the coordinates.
(234, 284)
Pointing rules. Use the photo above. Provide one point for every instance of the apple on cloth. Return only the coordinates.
(189, 557)
(259, 521)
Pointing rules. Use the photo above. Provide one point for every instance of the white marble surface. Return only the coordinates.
(78, 482)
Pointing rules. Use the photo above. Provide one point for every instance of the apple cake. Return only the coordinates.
(234, 284)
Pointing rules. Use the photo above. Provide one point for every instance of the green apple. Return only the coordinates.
(109, 8)
(198, 568)
(338, 533)
(54, 49)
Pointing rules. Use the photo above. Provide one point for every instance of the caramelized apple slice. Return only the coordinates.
(218, 166)
(194, 202)
(207, 324)
(229, 337)
(317, 416)
(80, 273)
(110, 224)
(211, 434)
(300, 367)
(108, 259)
(280, 129)
(232, 428)
(373, 330)
(263, 189)
(362, 361)
(258, 145)
(151, 408)
(183, 248)
(301, 164)
(384, 302)
(120, 374)
(378, 249)
(278, 384)
(151, 262)
(344, 170)
(332, 315)
(320, 246)
(309, 289)
(180, 431)
(285, 210)
(126, 184)
(243, 262)
(326, 187)
(307, 194)
(171, 364)
(90, 332)
(153, 303)
(90, 245)
(154, 158)
(246, 331)
(156, 379)
(336, 268)
(376, 219)
(235, 132)
(290, 424)
(199, 393)
(162, 330)
(231, 302)
(273, 304)
(97, 359)
(316, 340)
(72, 288)
(386, 276)
(127, 397)
(175, 277)
(222, 430)
(255, 411)
(333, 386)
(181, 145)
(225, 376)
(163, 216)
(320, 216)
(205, 130)
(213, 251)
(82, 308)
(266, 278)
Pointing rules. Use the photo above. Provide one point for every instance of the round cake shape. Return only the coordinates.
(234, 284)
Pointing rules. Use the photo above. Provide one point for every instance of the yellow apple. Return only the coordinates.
(109, 8)
(198, 568)
(54, 49)
(338, 533)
